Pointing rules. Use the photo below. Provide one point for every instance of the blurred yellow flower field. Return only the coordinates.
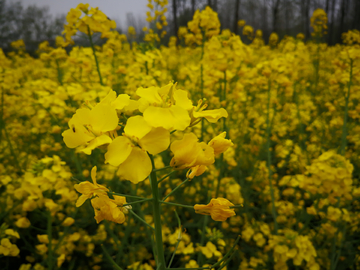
(207, 153)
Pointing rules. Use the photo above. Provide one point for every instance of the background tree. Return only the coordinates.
(33, 25)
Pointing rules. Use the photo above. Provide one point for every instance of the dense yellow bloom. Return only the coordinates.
(219, 209)
(129, 151)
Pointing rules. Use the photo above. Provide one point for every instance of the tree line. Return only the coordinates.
(285, 17)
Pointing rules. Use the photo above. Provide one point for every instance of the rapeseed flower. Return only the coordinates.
(129, 151)
(219, 209)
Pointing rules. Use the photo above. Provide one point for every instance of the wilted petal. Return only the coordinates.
(118, 151)
(136, 167)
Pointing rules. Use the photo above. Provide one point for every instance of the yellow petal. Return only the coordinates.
(211, 115)
(101, 140)
(220, 144)
(136, 167)
(137, 127)
(76, 135)
(164, 91)
(171, 118)
(118, 151)
(182, 100)
(150, 94)
(121, 102)
(104, 118)
(93, 174)
(156, 141)
(80, 201)
(110, 97)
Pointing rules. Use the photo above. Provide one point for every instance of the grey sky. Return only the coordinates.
(114, 9)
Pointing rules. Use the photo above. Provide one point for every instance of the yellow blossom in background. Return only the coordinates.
(23, 222)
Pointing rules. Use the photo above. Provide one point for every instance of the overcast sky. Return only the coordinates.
(114, 9)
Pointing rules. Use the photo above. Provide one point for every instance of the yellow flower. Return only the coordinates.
(210, 250)
(219, 209)
(88, 189)
(90, 127)
(220, 144)
(129, 151)
(8, 249)
(188, 152)
(109, 209)
(165, 107)
(23, 223)
(212, 116)
(68, 221)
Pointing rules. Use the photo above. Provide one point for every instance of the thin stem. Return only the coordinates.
(227, 253)
(268, 131)
(49, 233)
(178, 240)
(175, 189)
(96, 60)
(344, 129)
(126, 195)
(177, 204)
(173, 255)
(140, 219)
(107, 255)
(157, 217)
(166, 176)
(163, 168)
(144, 200)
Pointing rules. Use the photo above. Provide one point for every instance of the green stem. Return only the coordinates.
(126, 195)
(59, 71)
(175, 189)
(163, 168)
(177, 204)
(227, 254)
(344, 129)
(142, 220)
(166, 176)
(222, 167)
(268, 131)
(107, 255)
(96, 60)
(49, 233)
(144, 200)
(157, 217)
(178, 240)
